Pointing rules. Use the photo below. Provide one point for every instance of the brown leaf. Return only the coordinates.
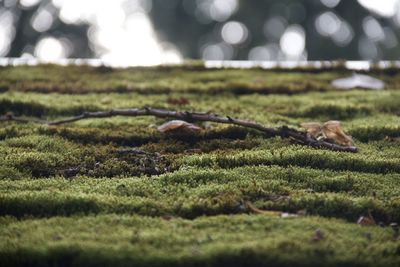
(363, 220)
(177, 126)
(366, 220)
(313, 128)
(333, 130)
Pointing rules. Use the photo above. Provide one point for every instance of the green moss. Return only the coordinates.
(298, 156)
(132, 136)
(115, 191)
(370, 133)
(194, 192)
(218, 241)
(20, 108)
(337, 112)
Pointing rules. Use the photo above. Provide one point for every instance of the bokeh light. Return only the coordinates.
(122, 34)
(328, 24)
(42, 20)
(373, 29)
(207, 11)
(7, 31)
(148, 32)
(367, 48)
(29, 3)
(234, 32)
(50, 49)
(219, 51)
(221, 10)
(386, 8)
(293, 42)
(274, 27)
(260, 53)
(330, 3)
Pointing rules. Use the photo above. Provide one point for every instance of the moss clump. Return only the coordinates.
(20, 108)
(336, 111)
(193, 192)
(217, 241)
(371, 133)
(115, 191)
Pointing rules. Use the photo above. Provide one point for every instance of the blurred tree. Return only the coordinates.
(227, 29)
(191, 25)
(26, 36)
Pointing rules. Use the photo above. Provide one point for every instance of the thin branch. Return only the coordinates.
(11, 117)
(283, 132)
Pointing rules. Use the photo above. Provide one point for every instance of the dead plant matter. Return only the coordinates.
(283, 131)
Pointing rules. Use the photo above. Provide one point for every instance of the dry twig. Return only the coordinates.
(283, 131)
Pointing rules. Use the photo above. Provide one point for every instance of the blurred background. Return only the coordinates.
(149, 32)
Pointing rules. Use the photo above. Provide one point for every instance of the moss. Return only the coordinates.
(10, 131)
(21, 108)
(11, 173)
(218, 241)
(337, 112)
(115, 191)
(297, 156)
(89, 135)
(3, 88)
(371, 133)
(389, 104)
(194, 192)
(152, 80)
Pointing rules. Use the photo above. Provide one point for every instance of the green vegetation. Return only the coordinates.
(116, 192)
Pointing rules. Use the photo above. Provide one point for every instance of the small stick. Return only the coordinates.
(283, 132)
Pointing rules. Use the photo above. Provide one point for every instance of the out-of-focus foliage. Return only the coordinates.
(25, 23)
(274, 29)
(209, 29)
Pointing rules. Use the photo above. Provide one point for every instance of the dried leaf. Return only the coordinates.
(177, 126)
(330, 130)
(360, 81)
(259, 211)
(333, 130)
(313, 128)
(365, 220)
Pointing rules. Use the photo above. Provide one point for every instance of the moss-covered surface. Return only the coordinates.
(115, 192)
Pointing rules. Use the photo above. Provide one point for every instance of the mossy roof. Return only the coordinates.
(73, 194)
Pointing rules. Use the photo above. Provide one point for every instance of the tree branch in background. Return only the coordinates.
(283, 131)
